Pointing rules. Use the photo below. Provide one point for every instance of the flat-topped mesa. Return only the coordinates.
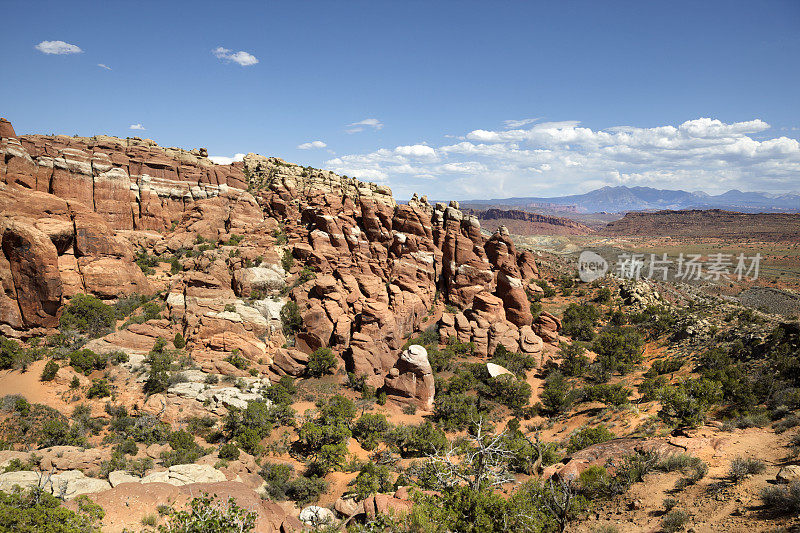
(132, 183)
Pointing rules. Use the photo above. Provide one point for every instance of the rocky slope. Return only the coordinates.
(713, 223)
(367, 271)
(527, 223)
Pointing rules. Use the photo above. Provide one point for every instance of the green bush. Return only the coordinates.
(36, 511)
(674, 521)
(86, 314)
(518, 363)
(86, 361)
(743, 467)
(50, 370)
(509, 391)
(617, 349)
(579, 321)
(558, 394)
(782, 500)
(228, 452)
(290, 318)
(287, 261)
(608, 394)
(417, 441)
(321, 362)
(99, 389)
(549, 291)
(371, 479)
(209, 516)
(588, 436)
(250, 425)
(370, 429)
(574, 362)
(179, 341)
(686, 404)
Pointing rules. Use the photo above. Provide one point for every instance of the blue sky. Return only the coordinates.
(454, 99)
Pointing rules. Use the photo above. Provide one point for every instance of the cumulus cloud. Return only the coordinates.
(224, 160)
(242, 58)
(58, 48)
(101, 65)
(137, 126)
(361, 125)
(310, 145)
(552, 158)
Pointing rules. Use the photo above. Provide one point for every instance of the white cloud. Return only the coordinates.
(224, 160)
(101, 65)
(361, 125)
(57, 47)
(416, 150)
(137, 126)
(310, 145)
(551, 158)
(242, 58)
(513, 124)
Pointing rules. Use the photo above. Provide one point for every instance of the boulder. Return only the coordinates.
(412, 379)
(314, 515)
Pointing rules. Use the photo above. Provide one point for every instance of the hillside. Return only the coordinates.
(712, 223)
(525, 223)
(302, 343)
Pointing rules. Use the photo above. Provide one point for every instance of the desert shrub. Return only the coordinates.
(237, 360)
(248, 426)
(89, 315)
(86, 361)
(664, 366)
(281, 393)
(370, 429)
(509, 391)
(146, 262)
(50, 370)
(517, 362)
(549, 291)
(579, 321)
(321, 362)
(603, 295)
(207, 514)
(616, 394)
(160, 361)
(11, 352)
(179, 341)
(277, 477)
(595, 482)
(305, 490)
(656, 320)
(674, 521)
(287, 261)
(126, 305)
(782, 500)
(686, 404)
(417, 441)
(744, 467)
(588, 436)
(454, 412)
(36, 511)
(617, 349)
(337, 409)
(290, 318)
(98, 389)
(371, 479)
(558, 394)
(651, 388)
(184, 449)
(574, 362)
(228, 452)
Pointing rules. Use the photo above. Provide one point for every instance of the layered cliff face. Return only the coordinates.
(527, 223)
(132, 183)
(367, 272)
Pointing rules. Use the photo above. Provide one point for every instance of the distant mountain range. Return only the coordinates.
(623, 199)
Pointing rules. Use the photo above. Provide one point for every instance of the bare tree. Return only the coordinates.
(481, 460)
(558, 501)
